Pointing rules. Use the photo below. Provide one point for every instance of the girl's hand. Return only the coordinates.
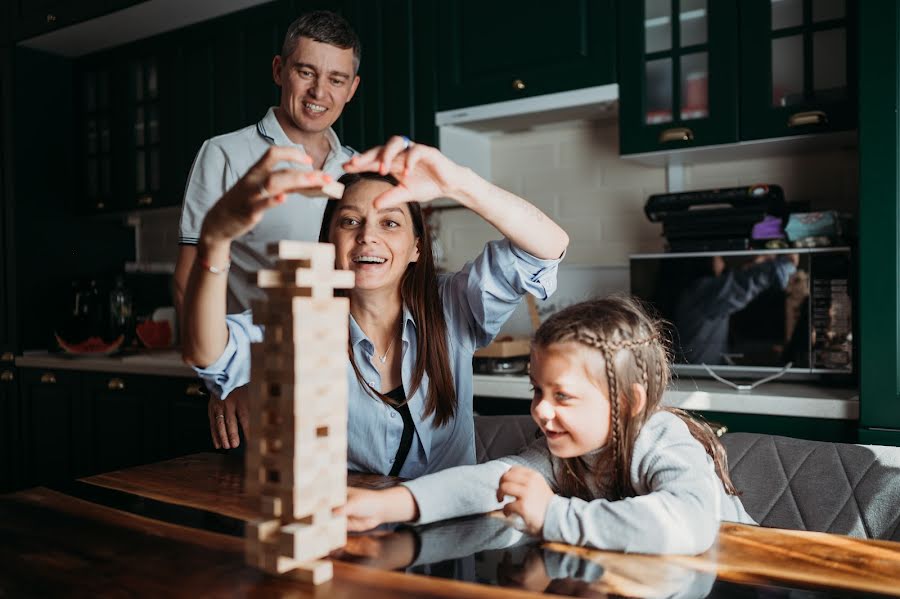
(365, 509)
(263, 187)
(423, 172)
(532, 494)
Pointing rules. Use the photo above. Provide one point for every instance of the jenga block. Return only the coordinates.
(271, 506)
(319, 254)
(313, 572)
(332, 190)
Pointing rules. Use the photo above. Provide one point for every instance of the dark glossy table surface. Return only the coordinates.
(175, 529)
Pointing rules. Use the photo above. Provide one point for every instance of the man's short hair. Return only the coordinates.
(325, 27)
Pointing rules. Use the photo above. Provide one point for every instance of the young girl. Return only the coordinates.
(614, 469)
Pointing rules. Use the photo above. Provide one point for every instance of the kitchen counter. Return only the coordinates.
(153, 362)
(802, 400)
(774, 399)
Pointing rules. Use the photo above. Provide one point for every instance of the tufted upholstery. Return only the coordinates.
(815, 485)
(497, 436)
(785, 483)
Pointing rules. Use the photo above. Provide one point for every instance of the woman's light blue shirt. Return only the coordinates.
(477, 301)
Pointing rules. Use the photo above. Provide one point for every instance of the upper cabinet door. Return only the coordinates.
(798, 67)
(495, 51)
(678, 81)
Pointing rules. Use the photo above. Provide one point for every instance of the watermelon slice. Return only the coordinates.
(154, 334)
(92, 345)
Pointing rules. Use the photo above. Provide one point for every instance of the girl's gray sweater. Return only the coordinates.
(679, 504)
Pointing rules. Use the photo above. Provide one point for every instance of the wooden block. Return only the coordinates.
(313, 572)
(271, 506)
(319, 254)
(332, 190)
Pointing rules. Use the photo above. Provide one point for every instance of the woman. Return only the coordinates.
(412, 334)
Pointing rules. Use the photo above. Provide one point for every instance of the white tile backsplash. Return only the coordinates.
(573, 172)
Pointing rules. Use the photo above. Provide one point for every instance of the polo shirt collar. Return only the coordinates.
(270, 128)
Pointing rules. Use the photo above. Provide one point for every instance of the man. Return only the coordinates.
(317, 73)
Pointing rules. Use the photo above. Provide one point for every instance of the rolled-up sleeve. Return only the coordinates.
(232, 369)
(487, 289)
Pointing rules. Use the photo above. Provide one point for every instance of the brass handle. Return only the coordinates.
(100, 205)
(7, 376)
(194, 390)
(51, 18)
(7, 357)
(116, 385)
(518, 84)
(145, 201)
(813, 117)
(48, 378)
(676, 134)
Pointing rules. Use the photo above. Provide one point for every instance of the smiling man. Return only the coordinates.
(317, 73)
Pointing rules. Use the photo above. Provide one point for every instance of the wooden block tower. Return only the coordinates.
(296, 457)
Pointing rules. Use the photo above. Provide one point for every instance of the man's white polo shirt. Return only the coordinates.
(223, 160)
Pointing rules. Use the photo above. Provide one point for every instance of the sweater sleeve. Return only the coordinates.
(677, 510)
(466, 490)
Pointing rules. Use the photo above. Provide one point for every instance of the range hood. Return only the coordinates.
(465, 134)
(589, 103)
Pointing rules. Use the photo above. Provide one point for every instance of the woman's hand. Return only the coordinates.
(225, 415)
(265, 185)
(365, 509)
(532, 494)
(423, 172)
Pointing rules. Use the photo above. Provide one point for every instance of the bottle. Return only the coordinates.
(120, 311)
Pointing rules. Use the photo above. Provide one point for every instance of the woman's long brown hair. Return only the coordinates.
(633, 351)
(419, 292)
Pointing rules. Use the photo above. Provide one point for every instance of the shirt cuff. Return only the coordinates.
(554, 519)
(214, 374)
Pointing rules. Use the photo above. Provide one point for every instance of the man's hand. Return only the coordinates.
(532, 494)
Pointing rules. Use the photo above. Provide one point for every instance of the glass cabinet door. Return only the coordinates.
(797, 71)
(97, 139)
(678, 86)
(145, 130)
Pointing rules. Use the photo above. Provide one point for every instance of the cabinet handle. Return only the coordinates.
(518, 84)
(51, 18)
(7, 357)
(7, 376)
(48, 378)
(116, 385)
(813, 117)
(676, 134)
(100, 205)
(145, 201)
(194, 390)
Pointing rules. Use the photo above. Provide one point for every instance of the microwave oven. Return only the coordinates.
(753, 313)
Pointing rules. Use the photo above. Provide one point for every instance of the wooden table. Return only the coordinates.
(173, 529)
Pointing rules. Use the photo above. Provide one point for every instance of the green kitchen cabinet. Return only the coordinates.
(99, 154)
(397, 94)
(188, 420)
(10, 443)
(7, 231)
(127, 421)
(678, 84)
(54, 420)
(495, 51)
(879, 238)
(798, 67)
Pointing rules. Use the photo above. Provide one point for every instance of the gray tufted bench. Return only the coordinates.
(785, 483)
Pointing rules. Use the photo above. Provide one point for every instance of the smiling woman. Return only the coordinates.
(412, 333)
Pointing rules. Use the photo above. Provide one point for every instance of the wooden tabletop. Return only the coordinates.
(121, 533)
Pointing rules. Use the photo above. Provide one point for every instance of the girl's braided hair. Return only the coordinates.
(633, 351)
